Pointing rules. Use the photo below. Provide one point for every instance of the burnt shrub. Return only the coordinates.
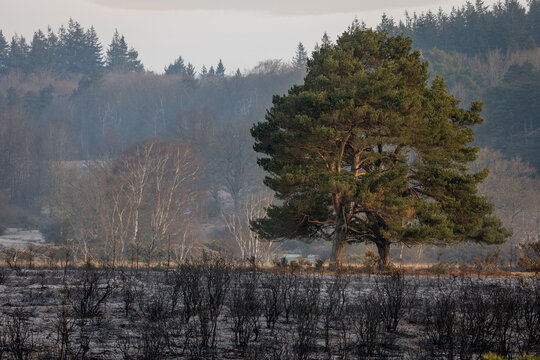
(90, 290)
(216, 276)
(156, 306)
(128, 291)
(306, 314)
(528, 320)
(365, 322)
(273, 299)
(333, 305)
(244, 309)
(290, 294)
(476, 322)
(393, 293)
(16, 336)
(505, 311)
(153, 341)
(441, 322)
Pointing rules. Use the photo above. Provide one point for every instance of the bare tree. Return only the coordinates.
(250, 244)
(138, 202)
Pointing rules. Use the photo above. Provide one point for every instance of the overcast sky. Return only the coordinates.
(241, 32)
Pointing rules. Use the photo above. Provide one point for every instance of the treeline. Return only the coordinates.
(473, 28)
(72, 50)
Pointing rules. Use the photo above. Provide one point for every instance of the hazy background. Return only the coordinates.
(241, 32)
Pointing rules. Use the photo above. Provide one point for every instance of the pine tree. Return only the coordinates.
(18, 54)
(238, 74)
(4, 53)
(366, 151)
(300, 58)
(119, 58)
(177, 67)
(204, 72)
(220, 70)
(387, 24)
(53, 51)
(39, 55)
(325, 40)
(134, 64)
(93, 56)
(190, 71)
(211, 72)
(73, 41)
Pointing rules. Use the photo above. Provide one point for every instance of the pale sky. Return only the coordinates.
(241, 32)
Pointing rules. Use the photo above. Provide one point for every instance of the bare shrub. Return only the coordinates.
(393, 292)
(528, 322)
(128, 291)
(504, 307)
(91, 289)
(245, 309)
(153, 342)
(306, 314)
(290, 294)
(273, 298)
(333, 306)
(216, 275)
(441, 321)
(365, 321)
(16, 336)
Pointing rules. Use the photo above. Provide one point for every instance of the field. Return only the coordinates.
(214, 310)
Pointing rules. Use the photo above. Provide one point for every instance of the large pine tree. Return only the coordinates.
(366, 151)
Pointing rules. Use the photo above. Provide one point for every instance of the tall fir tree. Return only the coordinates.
(73, 41)
(4, 53)
(53, 52)
(204, 71)
(117, 53)
(177, 67)
(220, 69)
(93, 57)
(366, 151)
(134, 63)
(38, 58)
(190, 71)
(119, 58)
(300, 58)
(18, 54)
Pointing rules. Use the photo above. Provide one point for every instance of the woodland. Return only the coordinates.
(115, 163)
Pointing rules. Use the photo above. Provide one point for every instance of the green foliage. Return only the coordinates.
(300, 58)
(462, 81)
(473, 29)
(4, 48)
(366, 143)
(177, 67)
(120, 58)
(513, 110)
(220, 69)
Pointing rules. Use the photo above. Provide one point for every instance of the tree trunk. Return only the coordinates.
(340, 239)
(383, 247)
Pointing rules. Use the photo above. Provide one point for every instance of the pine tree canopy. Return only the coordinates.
(178, 67)
(300, 58)
(220, 69)
(366, 151)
